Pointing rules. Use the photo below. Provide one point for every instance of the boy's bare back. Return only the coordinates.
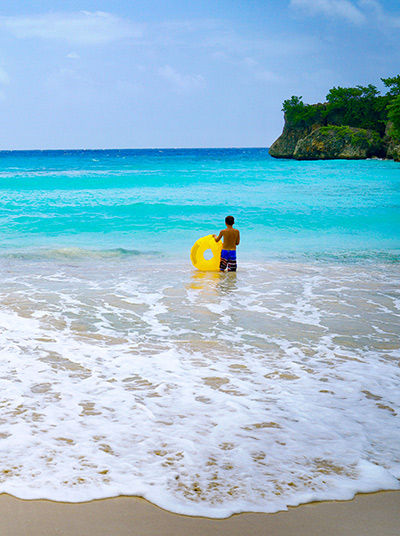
(230, 236)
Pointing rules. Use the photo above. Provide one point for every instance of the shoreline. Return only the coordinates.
(370, 514)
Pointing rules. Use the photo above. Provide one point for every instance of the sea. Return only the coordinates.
(126, 371)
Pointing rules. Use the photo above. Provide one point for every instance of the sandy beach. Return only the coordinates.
(375, 514)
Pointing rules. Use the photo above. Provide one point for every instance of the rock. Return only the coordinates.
(293, 132)
(285, 145)
(332, 142)
(391, 144)
(394, 152)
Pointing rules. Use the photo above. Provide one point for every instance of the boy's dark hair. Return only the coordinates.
(229, 220)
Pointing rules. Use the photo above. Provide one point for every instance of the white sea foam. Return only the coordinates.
(208, 394)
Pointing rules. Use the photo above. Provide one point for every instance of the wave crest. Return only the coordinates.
(78, 253)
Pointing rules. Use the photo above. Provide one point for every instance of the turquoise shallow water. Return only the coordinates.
(162, 200)
(125, 371)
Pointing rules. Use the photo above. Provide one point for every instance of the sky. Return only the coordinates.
(160, 73)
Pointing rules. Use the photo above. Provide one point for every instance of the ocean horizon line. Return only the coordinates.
(135, 149)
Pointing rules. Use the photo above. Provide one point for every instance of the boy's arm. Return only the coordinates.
(238, 238)
(218, 238)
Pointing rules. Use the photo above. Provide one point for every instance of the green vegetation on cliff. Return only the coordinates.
(359, 107)
(339, 142)
(357, 136)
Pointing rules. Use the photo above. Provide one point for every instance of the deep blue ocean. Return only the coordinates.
(162, 200)
(126, 371)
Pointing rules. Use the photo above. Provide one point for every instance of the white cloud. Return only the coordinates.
(81, 28)
(181, 82)
(221, 39)
(229, 42)
(73, 56)
(378, 14)
(93, 28)
(359, 12)
(266, 76)
(249, 65)
(258, 71)
(250, 62)
(343, 9)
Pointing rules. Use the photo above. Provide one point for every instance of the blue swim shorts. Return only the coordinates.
(228, 260)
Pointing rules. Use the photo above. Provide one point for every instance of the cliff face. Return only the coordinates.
(319, 142)
(285, 145)
(334, 142)
(394, 152)
(392, 146)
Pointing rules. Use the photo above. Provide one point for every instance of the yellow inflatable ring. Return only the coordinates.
(198, 250)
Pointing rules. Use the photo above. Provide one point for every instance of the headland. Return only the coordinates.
(354, 123)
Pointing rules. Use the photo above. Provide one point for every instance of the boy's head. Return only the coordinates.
(229, 220)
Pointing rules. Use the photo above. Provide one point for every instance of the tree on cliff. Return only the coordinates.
(393, 106)
(303, 115)
(394, 116)
(393, 84)
(359, 106)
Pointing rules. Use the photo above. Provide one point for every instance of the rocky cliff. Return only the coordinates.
(394, 152)
(333, 142)
(285, 145)
(330, 142)
(392, 146)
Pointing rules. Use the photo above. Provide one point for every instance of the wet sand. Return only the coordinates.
(375, 514)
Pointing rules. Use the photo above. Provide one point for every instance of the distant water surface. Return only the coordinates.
(123, 370)
(162, 200)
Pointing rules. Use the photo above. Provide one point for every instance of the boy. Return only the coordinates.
(231, 238)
